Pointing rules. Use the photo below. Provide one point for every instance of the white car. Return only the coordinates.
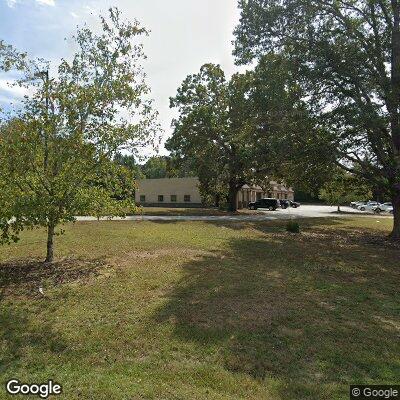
(369, 206)
(356, 204)
(385, 207)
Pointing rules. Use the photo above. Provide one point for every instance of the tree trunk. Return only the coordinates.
(217, 200)
(233, 191)
(50, 243)
(395, 235)
(394, 109)
(338, 208)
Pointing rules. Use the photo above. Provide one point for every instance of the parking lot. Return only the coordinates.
(304, 211)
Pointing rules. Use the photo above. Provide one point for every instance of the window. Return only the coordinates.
(160, 198)
(285, 196)
(173, 198)
(142, 198)
(187, 198)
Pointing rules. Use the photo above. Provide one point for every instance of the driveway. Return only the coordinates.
(306, 211)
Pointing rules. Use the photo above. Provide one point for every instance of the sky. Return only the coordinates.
(185, 34)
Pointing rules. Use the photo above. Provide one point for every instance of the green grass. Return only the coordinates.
(203, 310)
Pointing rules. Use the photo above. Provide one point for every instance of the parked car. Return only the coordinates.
(294, 204)
(369, 206)
(289, 203)
(270, 204)
(356, 204)
(385, 207)
(285, 203)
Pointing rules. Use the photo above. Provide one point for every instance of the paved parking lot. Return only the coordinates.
(305, 211)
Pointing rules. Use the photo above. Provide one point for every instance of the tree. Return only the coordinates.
(344, 188)
(298, 147)
(129, 162)
(346, 55)
(215, 133)
(57, 153)
(155, 167)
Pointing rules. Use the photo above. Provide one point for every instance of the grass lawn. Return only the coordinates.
(203, 310)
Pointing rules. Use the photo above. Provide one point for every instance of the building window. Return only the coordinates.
(187, 198)
(142, 198)
(286, 196)
(173, 198)
(160, 198)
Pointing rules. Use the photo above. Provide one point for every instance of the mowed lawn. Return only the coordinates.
(203, 310)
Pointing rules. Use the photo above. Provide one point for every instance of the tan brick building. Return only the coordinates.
(184, 192)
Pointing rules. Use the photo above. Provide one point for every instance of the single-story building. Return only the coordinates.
(184, 192)
(168, 192)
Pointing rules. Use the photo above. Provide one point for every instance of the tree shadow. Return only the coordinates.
(24, 277)
(19, 333)
(312, 310)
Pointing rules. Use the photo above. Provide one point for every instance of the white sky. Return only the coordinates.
(184, 35)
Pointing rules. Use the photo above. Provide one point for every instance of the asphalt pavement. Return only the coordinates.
(304, 211)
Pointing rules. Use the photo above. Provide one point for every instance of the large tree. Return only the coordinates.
(346, 54)
(239, 131)
(57, 150)
(215, 130)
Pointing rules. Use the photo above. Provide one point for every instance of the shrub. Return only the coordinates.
(293, 227)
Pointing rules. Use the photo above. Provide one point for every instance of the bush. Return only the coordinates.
(293, 227)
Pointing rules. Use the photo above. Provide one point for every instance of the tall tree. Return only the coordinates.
(347, 57)
(54, 151)
(214, 131)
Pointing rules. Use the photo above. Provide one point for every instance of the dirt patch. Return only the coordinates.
(127, 258)
(26, 277)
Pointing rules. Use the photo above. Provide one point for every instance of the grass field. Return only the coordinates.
(203, 310)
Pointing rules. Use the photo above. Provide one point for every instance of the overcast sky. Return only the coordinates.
(184, 35)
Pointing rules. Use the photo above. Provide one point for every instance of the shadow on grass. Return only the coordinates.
(26, 276)
(19, 334)
(314, 311)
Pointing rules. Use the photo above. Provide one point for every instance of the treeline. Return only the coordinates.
(155, 167)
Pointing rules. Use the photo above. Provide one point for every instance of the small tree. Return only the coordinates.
(344, 188)
(57, 153)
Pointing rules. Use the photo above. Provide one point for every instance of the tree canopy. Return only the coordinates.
(214, 132)
(247, 129)
(346, 56)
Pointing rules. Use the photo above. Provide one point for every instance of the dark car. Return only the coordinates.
(294, 204)
(285, 203)
(289, 203)
(270, 204)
